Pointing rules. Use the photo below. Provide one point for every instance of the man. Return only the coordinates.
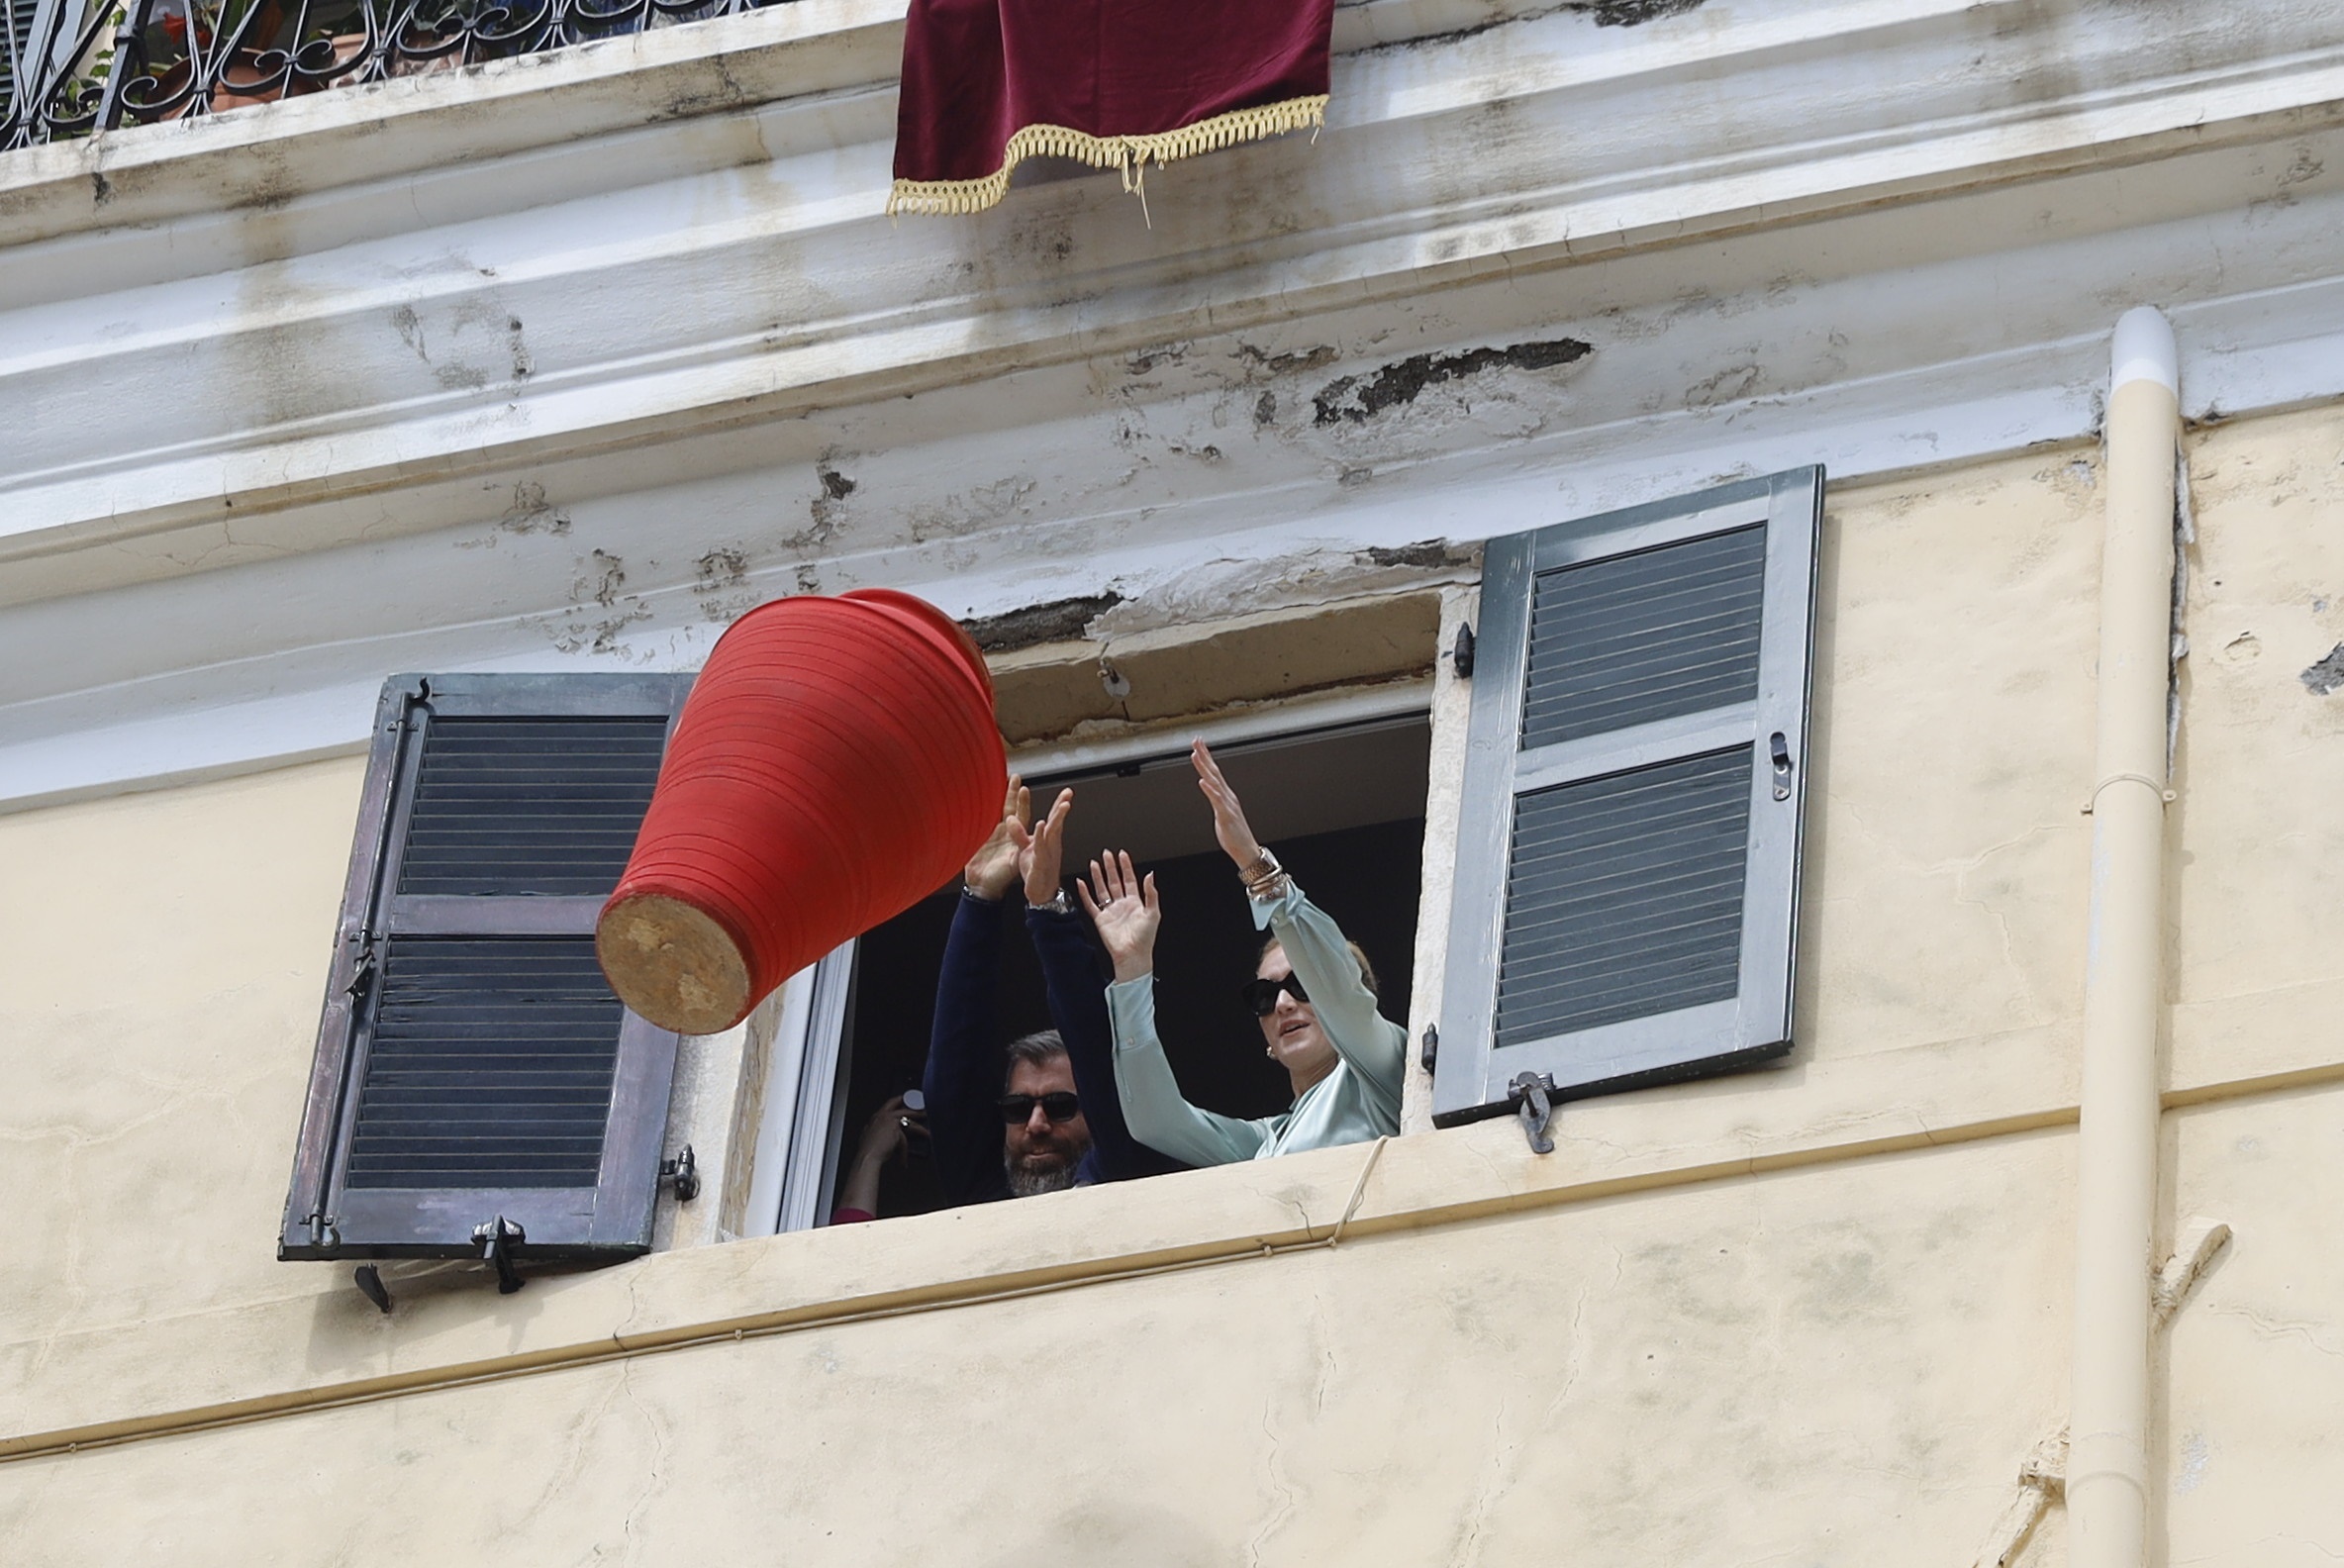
(1051, 1120)
(1054, 1120)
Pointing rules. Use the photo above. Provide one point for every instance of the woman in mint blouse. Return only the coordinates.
(1320, 1021)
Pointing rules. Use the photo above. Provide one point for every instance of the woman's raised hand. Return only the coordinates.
(1229, 818)
(1043, 859)
(993, 870)
(1124, 908)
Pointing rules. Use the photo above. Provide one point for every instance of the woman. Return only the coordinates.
(1313, 991)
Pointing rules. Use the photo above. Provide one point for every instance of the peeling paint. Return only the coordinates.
(1730, 385)
(1142, 361)
(826, 509)
(1057, 621)
(2326, 675)
(1357, 399)
(524, 363)
(1634, 13)
(1284, 364)
(1605, 13)
(600, 576)
(1436, 554)
(971, 510)
(722, 586)
(531, 512)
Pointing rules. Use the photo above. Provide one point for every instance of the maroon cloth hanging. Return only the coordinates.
(1112, 82)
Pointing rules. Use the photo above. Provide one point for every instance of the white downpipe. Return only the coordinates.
(2123, 988)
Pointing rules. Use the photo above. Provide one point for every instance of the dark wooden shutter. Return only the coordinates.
(1628, 860)
(471, 1063)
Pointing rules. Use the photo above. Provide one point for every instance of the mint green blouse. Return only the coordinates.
(1358, 1100)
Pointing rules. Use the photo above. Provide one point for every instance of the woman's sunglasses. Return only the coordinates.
(1058, 1106)
(1262, 995)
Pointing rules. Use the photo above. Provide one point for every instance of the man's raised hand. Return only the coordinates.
(993, 870)
(1041, 862)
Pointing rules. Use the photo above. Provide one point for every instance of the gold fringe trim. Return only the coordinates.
(1129, 154)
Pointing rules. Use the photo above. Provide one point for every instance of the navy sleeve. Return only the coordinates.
(1074, 973)
(963, 1077)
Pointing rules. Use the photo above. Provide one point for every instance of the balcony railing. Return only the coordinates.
(73, 66)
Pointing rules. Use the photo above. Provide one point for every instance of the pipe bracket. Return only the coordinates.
(2163, 792)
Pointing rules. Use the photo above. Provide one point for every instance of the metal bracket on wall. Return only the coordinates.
(1461, 656)
(1537, 1109)
(1429, 1049)
(684, 1171)
(500, 1241)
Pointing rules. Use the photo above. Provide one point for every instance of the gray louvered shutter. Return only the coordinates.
(1627, 858)
(28, 21)
(471, 1063)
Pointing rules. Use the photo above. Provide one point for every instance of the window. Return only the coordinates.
(1624, 903)
(472, 1066)
(1342, 805)
(1628, 863)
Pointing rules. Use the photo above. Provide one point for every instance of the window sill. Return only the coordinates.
(327, 1345)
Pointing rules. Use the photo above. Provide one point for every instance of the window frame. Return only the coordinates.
(811, 1060)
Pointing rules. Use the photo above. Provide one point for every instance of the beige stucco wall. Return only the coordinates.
(1814, 1314)
(162, 964)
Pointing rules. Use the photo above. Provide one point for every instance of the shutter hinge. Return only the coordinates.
(1429, 1049)
(684, 1171)
(420, 697)
(1461, 655)
(1537, 1109)
(500, 1242)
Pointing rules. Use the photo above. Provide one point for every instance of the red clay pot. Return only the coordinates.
(837, 762)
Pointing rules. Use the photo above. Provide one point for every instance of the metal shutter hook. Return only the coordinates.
(1782, 766)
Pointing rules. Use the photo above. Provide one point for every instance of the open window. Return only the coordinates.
(1342, 805)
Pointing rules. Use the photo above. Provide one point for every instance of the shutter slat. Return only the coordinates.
(528, 806)
(1651, 635)
(1580, 938)
(489, 1058)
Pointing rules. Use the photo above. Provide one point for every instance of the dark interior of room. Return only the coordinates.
(1362, 789)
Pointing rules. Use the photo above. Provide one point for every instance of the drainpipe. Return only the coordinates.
(2124, 987)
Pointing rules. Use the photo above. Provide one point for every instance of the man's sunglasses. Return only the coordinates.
(1262, 995)
(1058, 1107)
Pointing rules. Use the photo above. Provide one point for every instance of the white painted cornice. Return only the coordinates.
(687, 267)
(260, 455)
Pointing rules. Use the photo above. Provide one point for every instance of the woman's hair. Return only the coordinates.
(1367, 971)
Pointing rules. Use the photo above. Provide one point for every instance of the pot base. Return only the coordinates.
(673, 963)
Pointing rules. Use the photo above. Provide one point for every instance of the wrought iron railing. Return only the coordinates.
(73, 66)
